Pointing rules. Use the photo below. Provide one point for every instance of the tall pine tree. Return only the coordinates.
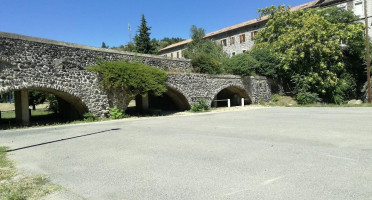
(142, 38)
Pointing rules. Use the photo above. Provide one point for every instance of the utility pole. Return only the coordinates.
(130, 33)
(367, 53)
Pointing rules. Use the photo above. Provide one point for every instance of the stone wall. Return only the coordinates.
(37, 64)
(196, 86)
(29, 52)
(78, 87)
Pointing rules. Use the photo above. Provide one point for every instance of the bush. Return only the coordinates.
(89, 117)
(116, 113)
(365, 90)
(201, 106)
(266, 62)
(241, 64)
(53, 103)
(276, 98)
(205, 63)
(307, 98)
(133, 78)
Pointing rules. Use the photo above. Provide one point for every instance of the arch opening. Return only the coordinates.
(171, 101)
(234, 93)
(58, 107)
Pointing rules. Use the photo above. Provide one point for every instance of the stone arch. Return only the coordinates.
(78, 88)
(178, 98)
(172, 99)
(232, 92)
(79, 106)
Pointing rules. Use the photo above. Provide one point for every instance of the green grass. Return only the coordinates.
(15, 186)
(34, 113)
(335, 105)
(287, 101)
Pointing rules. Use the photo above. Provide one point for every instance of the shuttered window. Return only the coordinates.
(242, 38)
(232, 40)
(224, 42)
(253, 34)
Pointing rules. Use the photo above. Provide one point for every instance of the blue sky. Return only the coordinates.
(90, 22)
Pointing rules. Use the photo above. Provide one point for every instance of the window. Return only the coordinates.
(242, 38)
(359, 9)
(224, 42)
(232, 40)
(244, 51)
(171, 55)
(233, 54)
(253, 34)
(342, 6)
(178, 54)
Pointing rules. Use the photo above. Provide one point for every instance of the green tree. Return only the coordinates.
(126, 80)
(168, 41)
(142, 38)
(104, 45)
(266, 62)
(241, 64)
(201, 48)
(35, 98)
(310, 51)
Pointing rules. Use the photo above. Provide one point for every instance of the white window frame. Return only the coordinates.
(343, 5)
(359, 2)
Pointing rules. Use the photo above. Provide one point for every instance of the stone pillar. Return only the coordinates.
(21, 107)
(145, 102)
(214, 103)
(142, 103)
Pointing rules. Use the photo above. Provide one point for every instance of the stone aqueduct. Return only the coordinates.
(57, 67)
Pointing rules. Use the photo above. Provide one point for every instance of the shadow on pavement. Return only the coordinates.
(60, 140)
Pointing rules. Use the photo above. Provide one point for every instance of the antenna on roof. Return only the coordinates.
(130, 33)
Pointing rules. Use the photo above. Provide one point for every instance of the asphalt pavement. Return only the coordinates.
(266, 153)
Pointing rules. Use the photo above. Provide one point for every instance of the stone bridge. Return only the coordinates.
(28, 63)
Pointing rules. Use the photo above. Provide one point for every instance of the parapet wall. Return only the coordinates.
(30, 52)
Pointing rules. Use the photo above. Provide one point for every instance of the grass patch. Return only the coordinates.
(279, 100)
(336, 105)
(14, 186)
(34, 113)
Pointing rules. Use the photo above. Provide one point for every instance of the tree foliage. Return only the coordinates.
(308, 44)
(201, 50)
(142, 38)
(206, 64)
(36, 97)
(266, 62)
(241, 64)
(132, 78)
(104, 45)
(156, 44)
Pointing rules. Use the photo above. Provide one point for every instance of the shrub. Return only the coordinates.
(266, 62)
(116, 113)
(275, 98)
(133, 78)
(365, 91)
(201, 106)
(89, 117)
(307, 98)
(205, 63)
(241, 64)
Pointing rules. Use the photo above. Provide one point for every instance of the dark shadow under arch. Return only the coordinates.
(172, 99)
(234, 93)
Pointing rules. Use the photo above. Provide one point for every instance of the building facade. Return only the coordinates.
(240, 38)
